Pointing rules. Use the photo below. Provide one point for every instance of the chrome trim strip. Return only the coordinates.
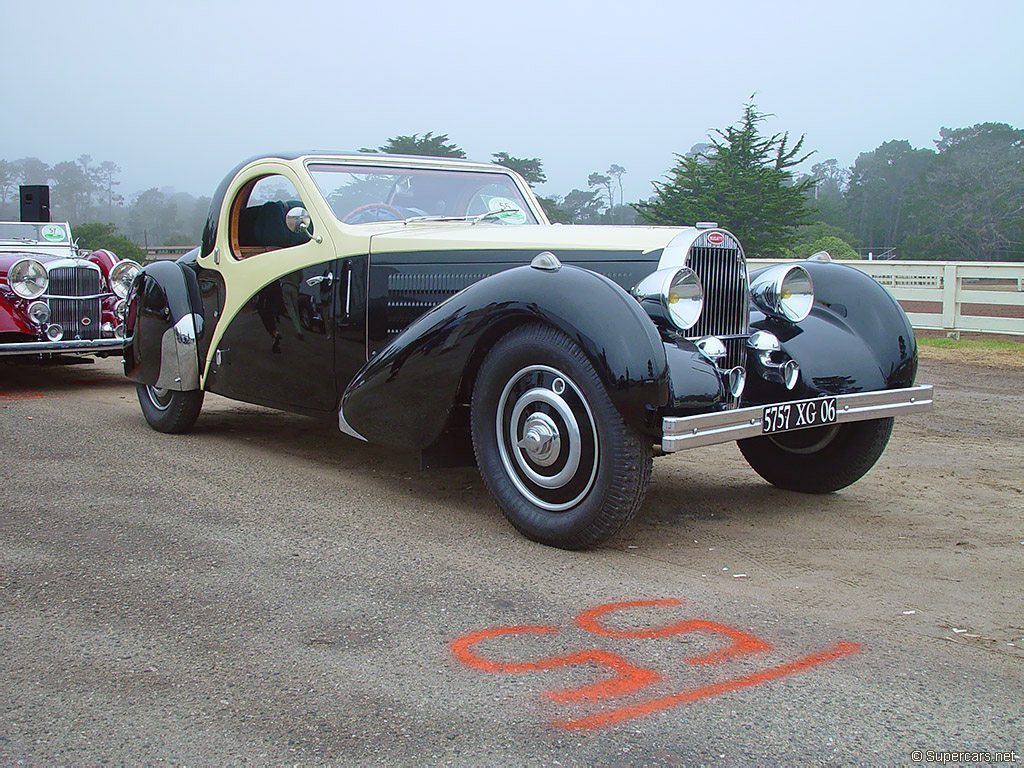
(348, 292)
(347, 428)
(81, 347)
(78, 298)
(682, 432)
(78, 262)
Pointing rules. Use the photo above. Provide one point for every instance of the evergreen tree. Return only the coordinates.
(971, 202)
(530, 168)
(743, 181)
(427, 144)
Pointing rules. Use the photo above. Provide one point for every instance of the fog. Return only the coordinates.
(177, 93)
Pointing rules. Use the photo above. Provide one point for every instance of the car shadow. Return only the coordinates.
(320, 442)
(712, 488)
(679, 500)
(60, 375)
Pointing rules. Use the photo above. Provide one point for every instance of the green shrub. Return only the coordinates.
(837, 248)
(95, 235)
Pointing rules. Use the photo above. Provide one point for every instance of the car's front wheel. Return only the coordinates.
(819, 460)
(551, 446)
(167, 410)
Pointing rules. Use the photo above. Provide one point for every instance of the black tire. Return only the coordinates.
(541, 378)
(169, 411)
(819, 460)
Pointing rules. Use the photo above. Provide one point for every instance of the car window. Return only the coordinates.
(362, 194)
(259, 217)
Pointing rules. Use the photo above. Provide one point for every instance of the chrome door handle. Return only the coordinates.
(329, 277)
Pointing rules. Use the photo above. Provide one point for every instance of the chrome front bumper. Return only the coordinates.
(682, 432)
(88, 347)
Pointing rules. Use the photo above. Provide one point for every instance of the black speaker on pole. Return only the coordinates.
(35, 202)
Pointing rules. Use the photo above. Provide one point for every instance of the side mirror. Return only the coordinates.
(297, 220)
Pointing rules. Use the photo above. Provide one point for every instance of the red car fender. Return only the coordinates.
(104, 259)
(13, 320)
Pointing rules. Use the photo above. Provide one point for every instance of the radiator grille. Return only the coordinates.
(723, 273)
(735, 352)
(80, 318)
(722, 270)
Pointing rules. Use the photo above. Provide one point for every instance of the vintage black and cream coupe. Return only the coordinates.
(427, 304)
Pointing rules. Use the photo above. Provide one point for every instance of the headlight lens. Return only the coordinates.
(784, 291)
(685, 299)
(28, 278)
(797, 295)
(122, 276)
(673, 295)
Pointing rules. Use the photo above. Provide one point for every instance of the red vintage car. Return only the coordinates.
(56, 299)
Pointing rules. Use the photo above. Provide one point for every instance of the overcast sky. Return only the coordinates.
(178, 92)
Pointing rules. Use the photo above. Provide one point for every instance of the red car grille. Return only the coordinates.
(80, 318)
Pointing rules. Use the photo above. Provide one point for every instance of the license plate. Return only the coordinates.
(800, 414)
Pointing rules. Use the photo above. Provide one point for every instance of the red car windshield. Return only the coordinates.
(32, 233)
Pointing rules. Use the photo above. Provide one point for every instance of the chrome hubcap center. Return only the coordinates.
(541, 439)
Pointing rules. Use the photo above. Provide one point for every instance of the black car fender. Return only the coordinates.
(695, 384)
(405, 394)
(163, 328)
(857, 338)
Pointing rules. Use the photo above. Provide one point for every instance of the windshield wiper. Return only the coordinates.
(470, 219)
(434, 218)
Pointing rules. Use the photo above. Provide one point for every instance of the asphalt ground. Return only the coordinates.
(266, 590)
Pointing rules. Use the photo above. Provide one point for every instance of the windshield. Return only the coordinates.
(361, 194)
(33, 233)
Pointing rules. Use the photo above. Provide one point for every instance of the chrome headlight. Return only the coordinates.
(675, 295)
(39, 312)
(784, 291)
(28, 278)
(122, 276)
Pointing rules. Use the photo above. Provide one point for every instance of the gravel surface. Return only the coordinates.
(266, 590)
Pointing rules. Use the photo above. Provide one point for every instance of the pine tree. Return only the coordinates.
(742, 181)
(427, 144)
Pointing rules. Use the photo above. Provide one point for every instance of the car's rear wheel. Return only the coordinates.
(550, 444)
(819, 460)
(167, 410)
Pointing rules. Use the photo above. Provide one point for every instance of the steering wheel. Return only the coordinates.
(352, 217)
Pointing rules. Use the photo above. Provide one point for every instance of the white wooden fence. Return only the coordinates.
(981, 296)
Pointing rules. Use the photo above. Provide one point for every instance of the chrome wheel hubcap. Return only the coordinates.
(159, 397)
(547, 438)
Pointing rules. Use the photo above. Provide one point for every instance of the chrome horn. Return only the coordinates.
(713, 348)
(765, 346)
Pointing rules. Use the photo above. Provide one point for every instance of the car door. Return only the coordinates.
(277, 344)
